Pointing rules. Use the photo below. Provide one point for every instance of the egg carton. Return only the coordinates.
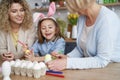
(28, 68)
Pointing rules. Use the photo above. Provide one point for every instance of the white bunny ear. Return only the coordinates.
(37, 16)
(52, 9)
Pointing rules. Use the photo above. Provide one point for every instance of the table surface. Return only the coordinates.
(111, 72)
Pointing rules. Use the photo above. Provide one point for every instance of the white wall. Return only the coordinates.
(32, 3)
(63, 13)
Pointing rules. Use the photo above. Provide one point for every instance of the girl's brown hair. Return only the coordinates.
(57, 34)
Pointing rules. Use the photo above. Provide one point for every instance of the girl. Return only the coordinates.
(50, 40)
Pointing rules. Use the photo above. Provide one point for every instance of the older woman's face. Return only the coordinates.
(16, 13)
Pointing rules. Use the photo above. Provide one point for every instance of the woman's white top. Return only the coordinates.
(83, 39)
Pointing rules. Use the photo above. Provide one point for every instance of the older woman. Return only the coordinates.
(98, 43)
(15, 24)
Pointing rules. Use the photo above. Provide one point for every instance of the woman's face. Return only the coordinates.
(48, 29)
(16, 14)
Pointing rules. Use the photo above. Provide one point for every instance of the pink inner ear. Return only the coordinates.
(37, 16)
(52, 9)
(41, 15)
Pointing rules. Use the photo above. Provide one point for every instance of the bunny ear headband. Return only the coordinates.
(51, 12)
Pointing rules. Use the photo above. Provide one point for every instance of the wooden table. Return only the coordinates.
(111, 72)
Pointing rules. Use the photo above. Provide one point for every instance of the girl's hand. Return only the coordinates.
(7, 56)
(30, 55)
(57, 65)
(25, 48)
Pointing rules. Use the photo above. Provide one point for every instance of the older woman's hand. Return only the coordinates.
(57, 55)
(57, 64)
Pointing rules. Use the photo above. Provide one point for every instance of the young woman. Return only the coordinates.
(50, 40)
(15, 24)
(98, 41)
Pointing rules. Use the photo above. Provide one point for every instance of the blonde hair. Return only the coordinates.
(4, 17)
(76, 5)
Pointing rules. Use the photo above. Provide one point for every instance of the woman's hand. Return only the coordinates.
(7, 56)
(57, 64)
(57, 55)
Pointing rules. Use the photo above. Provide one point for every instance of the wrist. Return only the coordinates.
(33, 59)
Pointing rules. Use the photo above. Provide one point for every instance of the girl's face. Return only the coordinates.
(16, 14)
(48, 29)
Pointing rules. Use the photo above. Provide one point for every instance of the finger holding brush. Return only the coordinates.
(25, 47)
